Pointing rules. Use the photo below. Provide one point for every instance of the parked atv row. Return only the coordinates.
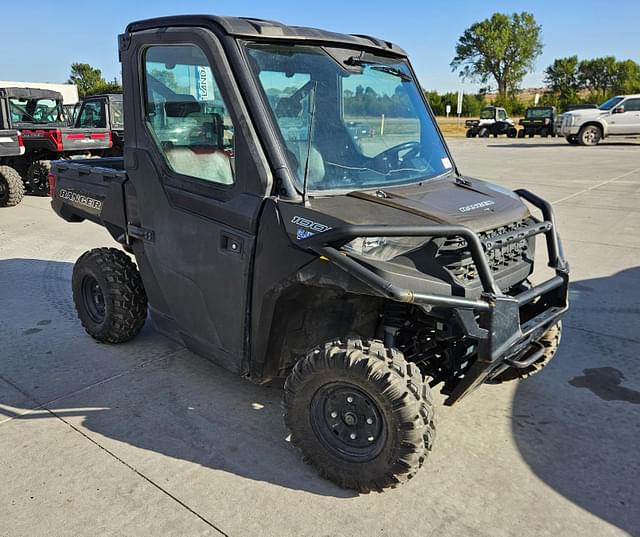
(494, 121)
(36, 119)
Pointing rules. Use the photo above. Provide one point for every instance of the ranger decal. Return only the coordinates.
(81, 199)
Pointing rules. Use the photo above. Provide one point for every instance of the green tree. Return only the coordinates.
(598, 75)
(503, 47)
(89, 80)
(471, 104)
(627, 79)
(563, 80)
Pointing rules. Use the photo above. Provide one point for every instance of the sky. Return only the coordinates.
(40, 44)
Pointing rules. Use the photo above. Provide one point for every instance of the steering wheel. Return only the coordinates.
(390, 158)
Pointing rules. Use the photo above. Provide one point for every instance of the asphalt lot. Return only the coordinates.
(147, 439)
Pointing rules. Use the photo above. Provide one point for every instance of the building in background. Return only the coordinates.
(69, 91)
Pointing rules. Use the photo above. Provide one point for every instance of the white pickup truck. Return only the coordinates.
(619, 116)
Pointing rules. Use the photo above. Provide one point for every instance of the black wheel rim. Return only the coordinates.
(93, 299)
(348, 422)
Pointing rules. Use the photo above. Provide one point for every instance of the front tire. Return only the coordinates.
(572, 140)
(38, 177)
(589, 135)
(362, 415)
(109, 295)
(11, 187)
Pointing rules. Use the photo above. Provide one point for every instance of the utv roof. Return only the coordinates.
(109, 96)
(30, 93)
(268, 30)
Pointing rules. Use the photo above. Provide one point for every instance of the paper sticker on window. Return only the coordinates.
(446, 162)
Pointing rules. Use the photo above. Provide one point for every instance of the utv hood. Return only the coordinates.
(476, 204)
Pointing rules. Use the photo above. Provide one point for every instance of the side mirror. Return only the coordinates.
(618, 110)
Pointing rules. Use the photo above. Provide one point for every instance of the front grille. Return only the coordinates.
(454, 256)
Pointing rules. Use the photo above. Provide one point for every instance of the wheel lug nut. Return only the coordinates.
(334, 415)
(369, 421)
(371, 438)
(353, 436)
(349, 399)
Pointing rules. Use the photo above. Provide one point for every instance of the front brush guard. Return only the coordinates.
(494, 319)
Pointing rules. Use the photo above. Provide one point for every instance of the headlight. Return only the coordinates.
(384, 248)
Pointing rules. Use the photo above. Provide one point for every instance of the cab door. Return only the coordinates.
(628, 121)
(197, 182)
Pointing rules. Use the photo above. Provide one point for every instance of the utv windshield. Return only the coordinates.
(348, 119)
(35, 110)
(486, 113)
(538, 113)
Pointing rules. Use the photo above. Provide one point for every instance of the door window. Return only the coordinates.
(186, 114)
(632, 105)
(92, 115)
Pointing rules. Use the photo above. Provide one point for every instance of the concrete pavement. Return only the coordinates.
(147, 439)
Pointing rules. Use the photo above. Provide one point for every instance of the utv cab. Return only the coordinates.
(39, 115)
(104, 112)
(493, 121)
(538, 120)
(294, 213)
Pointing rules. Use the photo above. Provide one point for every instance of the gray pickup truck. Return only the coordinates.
(619, 116)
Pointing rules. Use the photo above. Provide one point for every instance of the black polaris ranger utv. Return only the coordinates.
(39, 115)
(538, 120)
(11, 187)
(104, 112)
(273, 242)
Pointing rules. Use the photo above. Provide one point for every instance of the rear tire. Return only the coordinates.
(11, 187)
(550, 340)
(362, 415)
(109, 295)
(38, 177)
(589, 135)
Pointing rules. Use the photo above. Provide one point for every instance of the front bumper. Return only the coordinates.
(505, 327)
(566, 130)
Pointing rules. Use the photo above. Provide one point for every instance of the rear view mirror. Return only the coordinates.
(181, 106)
